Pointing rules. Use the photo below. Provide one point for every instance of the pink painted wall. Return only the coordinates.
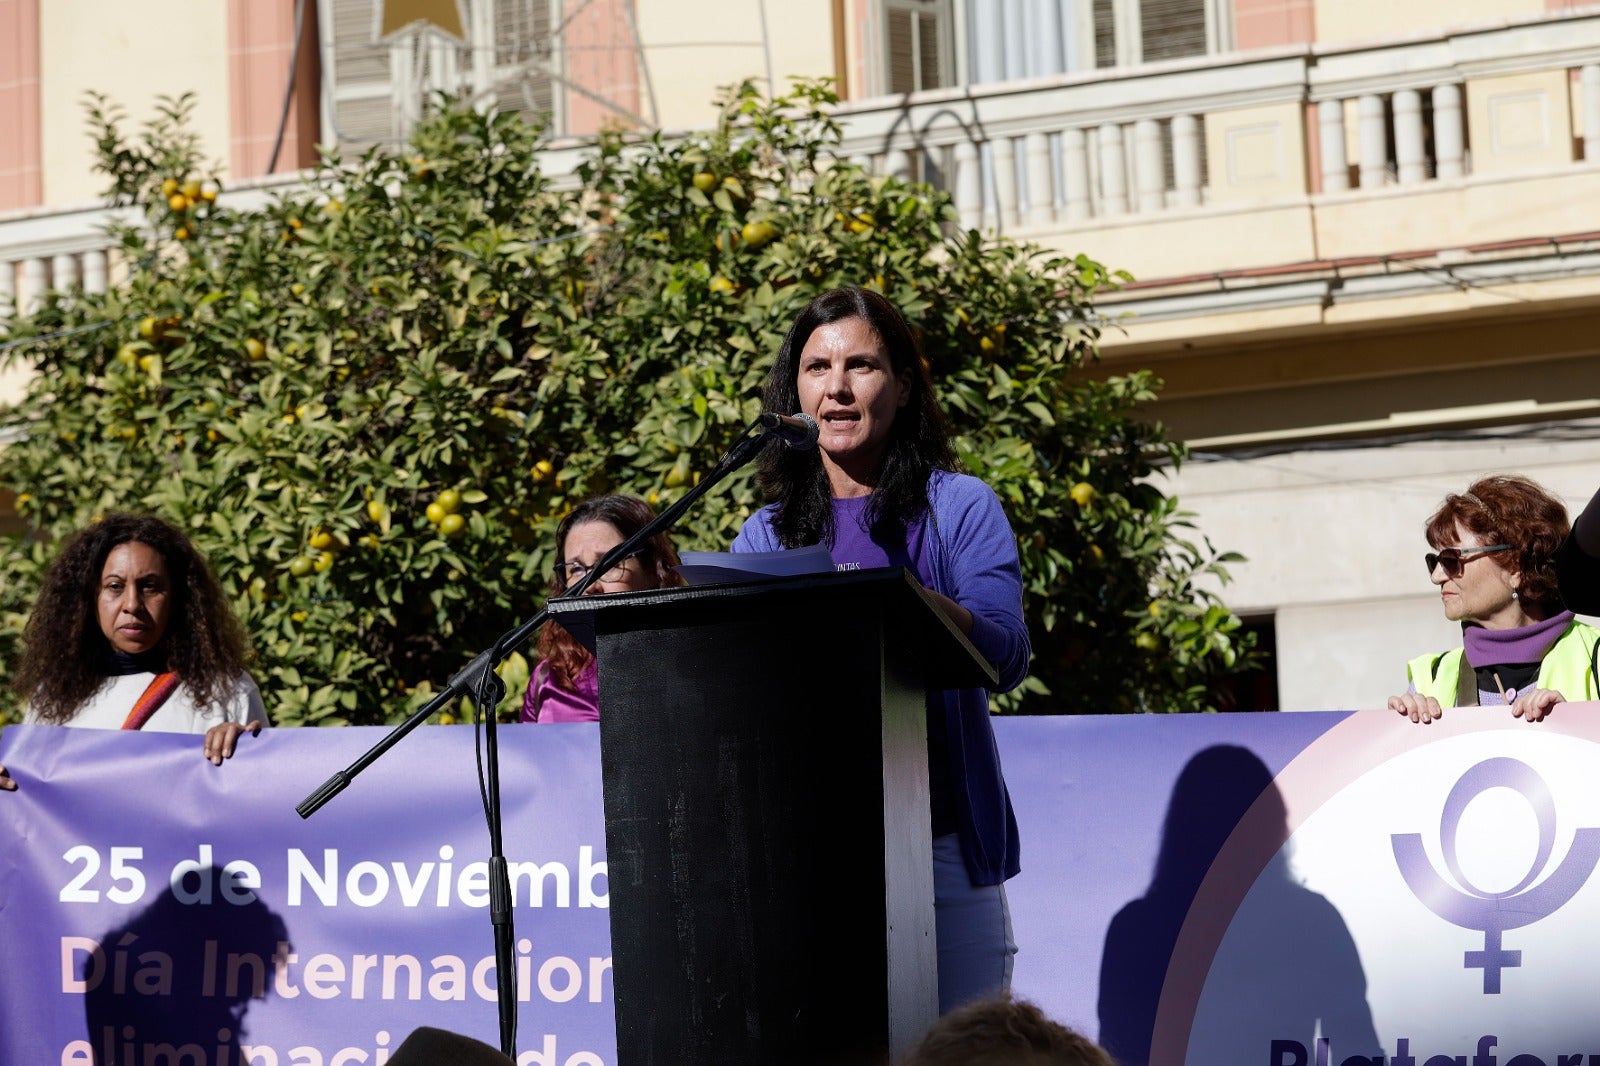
(600, 58)
(1264, 23)
(21, 178)
(260, 42)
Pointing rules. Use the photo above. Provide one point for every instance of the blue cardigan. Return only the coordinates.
(969, 555)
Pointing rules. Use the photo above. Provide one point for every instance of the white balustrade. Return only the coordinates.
(968, 185)
(1449, 141)
(1005, 183)
(1408, 150)
(35, 280)
(1330, 143)
(1041, 192)
(1064, 150)
(1373, 132)
(1078, 192)
(1113, 170)
(897, 162)
(64, 272)
(1186, 175)
(1149, 174)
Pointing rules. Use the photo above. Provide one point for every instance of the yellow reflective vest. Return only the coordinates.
(1569, 667)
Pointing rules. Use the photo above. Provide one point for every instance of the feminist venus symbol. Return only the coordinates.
(1495, 912)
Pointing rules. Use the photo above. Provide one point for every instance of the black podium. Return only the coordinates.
(764, 758)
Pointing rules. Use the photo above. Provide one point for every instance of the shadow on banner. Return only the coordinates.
(174, 983)
(1294, 953)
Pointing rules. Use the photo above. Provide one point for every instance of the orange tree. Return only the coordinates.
(371, 399)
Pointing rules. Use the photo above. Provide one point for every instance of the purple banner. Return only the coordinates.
(150, 901)
(1284, 890)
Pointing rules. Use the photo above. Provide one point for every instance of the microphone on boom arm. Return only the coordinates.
(796, 431)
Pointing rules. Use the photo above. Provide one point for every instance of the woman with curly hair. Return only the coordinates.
(132, 631)
(1494, 548)
(564, 686)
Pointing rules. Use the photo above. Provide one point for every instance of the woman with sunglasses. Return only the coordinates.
(564, 686)
(1493, 556)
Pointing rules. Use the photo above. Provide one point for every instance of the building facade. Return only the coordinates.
(1366, 263)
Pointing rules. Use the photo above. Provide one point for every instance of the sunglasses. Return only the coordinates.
(1455, 560)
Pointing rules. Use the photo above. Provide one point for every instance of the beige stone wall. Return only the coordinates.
(1520, 122)
(1334, 541)
(1257, 153)
(690, 54)
(133, 51)
(1152, 247)
(1343, 21)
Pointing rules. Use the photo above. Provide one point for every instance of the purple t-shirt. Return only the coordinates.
(854, 549)
(547, 701)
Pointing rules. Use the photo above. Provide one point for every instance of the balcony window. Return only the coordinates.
(1127, 32)
(373, 91)
(1006, 40)
(918, 33)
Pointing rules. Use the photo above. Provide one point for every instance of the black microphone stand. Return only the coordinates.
(478, 682)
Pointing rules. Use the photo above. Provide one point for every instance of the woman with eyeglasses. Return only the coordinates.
(1493, 556)
(564, 686)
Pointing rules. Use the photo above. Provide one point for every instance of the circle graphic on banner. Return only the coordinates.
(1441, 903)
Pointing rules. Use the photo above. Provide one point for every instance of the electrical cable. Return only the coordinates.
(288, 89)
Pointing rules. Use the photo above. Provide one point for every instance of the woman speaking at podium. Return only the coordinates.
(881, 489)
(1493, 559)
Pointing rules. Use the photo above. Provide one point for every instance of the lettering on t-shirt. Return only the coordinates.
(848, 566)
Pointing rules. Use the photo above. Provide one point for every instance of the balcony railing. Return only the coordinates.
(1029, 157)
(1056, 159)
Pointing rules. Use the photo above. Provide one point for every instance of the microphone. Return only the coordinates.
(796, 431)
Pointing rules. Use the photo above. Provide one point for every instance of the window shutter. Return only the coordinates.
(359, 85)
(1172, 29)
(357, 75)
(917, 33)
(930, 52)
(522, 59)
(902, 56)
(1105, 34)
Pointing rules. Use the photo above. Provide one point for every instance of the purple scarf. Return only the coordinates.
(1525, 644)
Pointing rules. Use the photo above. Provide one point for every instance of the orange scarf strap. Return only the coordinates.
(155, 694)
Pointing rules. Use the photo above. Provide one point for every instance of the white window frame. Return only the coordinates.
(951, 53)
(1128, 31)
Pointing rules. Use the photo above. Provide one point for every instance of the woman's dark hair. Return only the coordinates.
(918, 439)
(1509, 509)
(627, 515)
(65, 653)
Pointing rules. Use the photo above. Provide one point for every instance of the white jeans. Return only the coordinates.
(972, 925)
